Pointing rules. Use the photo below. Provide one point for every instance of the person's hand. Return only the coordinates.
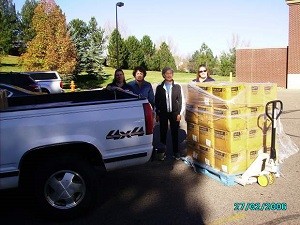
(178, 118)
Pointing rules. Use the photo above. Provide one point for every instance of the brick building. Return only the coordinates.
(277, 65)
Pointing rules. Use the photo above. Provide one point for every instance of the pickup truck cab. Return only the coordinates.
(55, 146)
(50, 81)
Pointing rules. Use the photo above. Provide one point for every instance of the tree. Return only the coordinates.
(93, 57)
(26, 14)
(112, 50)
(165, 57)
(79, 31)
(227, 63)
(202, 56)
(9, 28)
(51, 48)
(135, 54)
(148, 49)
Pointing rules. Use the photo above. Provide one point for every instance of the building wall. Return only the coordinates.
(262, 65)
(294, 39)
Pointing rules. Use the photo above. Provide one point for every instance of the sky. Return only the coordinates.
(186, 24)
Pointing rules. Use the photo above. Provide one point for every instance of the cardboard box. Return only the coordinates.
(270, 92)
(230, 141)
(191, 113)
(206, 136)
(205, 116)
(255, 116)
(201, 154)
(254, 138)
(228, 94)
(192, 132)
(260, 93)
(200, 94)
(230, 119)
(231, 163)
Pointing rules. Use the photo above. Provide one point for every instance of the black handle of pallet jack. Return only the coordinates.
(274, 106)
(273, 118)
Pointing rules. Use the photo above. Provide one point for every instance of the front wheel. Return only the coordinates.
(65, 189)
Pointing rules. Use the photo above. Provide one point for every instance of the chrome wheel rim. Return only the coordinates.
(65, 189)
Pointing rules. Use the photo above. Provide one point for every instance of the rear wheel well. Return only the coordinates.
(37, 156)
(45, 90)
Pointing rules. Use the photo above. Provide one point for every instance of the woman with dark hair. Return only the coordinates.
(119, 81)
(202, 75)
(140, 86)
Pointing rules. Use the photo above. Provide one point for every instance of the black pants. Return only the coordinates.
(174, 125)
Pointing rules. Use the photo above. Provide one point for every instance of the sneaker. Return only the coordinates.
(176, 156)
(161, 156)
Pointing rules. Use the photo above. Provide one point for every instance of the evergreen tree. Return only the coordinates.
(148, 49)
(165, 57)
(9, 28)
(27, 13)
(94, 55)
(135, 55)
(227, 63)
(112, 50)
(51, 48)
(79, 34)
(202, 56)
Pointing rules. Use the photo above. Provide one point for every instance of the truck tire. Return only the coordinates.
(65, 189)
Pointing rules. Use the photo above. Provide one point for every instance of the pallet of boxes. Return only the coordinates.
(227, 126)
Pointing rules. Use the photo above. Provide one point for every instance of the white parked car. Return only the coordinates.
(49, 81)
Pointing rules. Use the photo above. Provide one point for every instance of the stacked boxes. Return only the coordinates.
(230, 121)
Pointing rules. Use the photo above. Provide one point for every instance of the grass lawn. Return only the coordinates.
(11, 63)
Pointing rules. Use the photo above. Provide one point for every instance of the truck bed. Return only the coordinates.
(68, 99)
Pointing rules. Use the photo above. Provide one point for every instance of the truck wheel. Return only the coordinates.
(65, 189)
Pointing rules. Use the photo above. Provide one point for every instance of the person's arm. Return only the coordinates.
(151, 96)
(181, 103)
(156, 103)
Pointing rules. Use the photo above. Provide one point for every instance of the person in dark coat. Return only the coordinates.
(168, 105)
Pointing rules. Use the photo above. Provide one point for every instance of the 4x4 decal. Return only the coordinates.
(117, 134)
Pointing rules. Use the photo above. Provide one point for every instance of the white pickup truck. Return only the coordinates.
(53, 146)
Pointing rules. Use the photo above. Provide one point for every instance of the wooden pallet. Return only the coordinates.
(226, 179)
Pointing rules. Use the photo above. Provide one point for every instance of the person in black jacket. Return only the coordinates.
(168, 105)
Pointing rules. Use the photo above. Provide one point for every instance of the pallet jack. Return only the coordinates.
(265, 167)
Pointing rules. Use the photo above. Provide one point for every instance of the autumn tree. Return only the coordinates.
(51, 48)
